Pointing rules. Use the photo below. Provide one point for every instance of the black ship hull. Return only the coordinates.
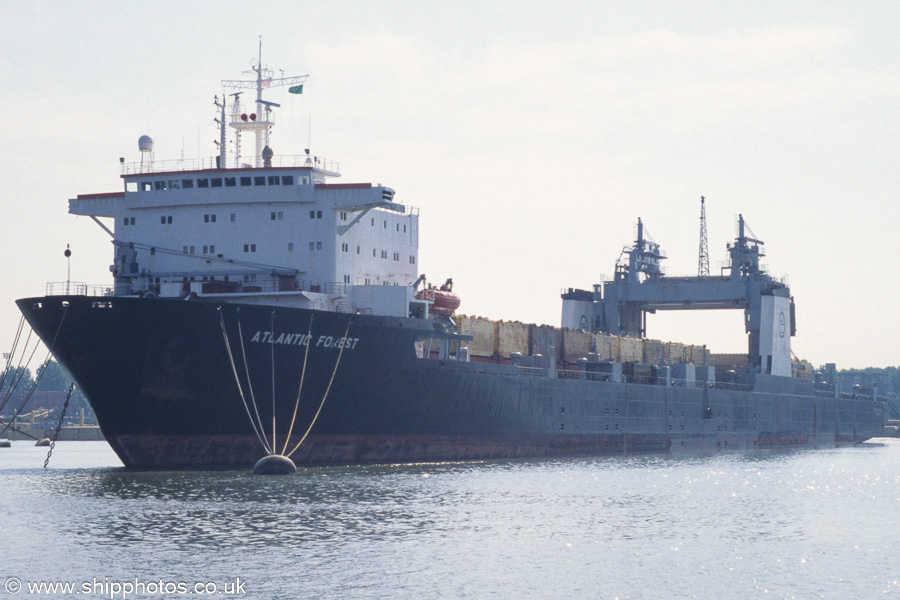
(166, 380)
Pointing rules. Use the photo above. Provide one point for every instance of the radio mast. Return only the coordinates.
(703, 267)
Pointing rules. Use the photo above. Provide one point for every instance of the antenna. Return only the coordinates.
(703, 267)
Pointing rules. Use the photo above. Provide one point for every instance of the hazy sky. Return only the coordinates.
(531, 135)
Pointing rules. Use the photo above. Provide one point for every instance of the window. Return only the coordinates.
(277, 216)
(357, 249)
(159, 185)
(404, 229)
(345, 247)
(259, 180)
(312, 214)
(412, 260)
(318, 245)
(233, 217)
(126, 221)
(209, 218)
(373, 253)
(287, 180)
(343, 216)
(166, 219)
(216, 181)
(397, 256)
(245, 181)
(187, 183)
(346, 279)
(318, 214)
(384, 254)
(249, 247)
(203, 183)
(174, 184)
(146, 186)
(132, 220)
(373, 222)
(312, 245)
(385, 224)
(209, 249)
(304, 180)
(274, 180)
(230, 182)
(131, 186)
(290, 246)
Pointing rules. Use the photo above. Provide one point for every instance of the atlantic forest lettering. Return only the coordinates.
(302, 339)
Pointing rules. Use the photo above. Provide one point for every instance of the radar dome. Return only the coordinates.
(145, 143)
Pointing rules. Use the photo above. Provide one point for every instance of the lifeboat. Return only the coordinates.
(444, 301)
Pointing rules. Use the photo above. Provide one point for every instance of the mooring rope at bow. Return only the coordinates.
(261, 437)
(328, 389)
(41, 370)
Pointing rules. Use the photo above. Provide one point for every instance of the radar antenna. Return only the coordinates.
(260, 122)
(703, 267)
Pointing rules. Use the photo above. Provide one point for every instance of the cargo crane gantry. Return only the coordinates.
(639, 287)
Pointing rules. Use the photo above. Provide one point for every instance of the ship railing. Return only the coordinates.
(725, 385)
(77, 288)
(212, 162)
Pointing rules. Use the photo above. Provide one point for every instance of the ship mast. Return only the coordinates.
(259, 122)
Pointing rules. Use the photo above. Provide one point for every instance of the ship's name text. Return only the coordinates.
(302, 339)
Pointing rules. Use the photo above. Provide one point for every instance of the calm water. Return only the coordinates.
(799, 524)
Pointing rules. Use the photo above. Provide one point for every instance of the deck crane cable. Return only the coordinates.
(328, 389)
(302, 377)
(237, 379)
(41, 370)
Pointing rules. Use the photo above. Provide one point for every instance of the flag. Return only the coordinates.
(297, 89)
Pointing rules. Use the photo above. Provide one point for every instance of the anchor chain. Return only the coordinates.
(59, 426)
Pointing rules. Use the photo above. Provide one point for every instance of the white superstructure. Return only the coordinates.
(260, 229)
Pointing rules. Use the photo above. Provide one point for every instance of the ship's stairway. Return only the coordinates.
(342, 305)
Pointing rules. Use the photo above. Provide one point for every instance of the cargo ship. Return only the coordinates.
(257, 307)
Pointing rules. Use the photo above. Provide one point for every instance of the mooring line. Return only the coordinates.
(18, 372)
(249, 382)
(12, 352)
(328, 389)
(302, 377)
(42, 370)
(237, 380)
(274, 444)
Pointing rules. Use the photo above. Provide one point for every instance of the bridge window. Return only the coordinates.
(203, 183)
(274, 180)
(216, 181)
(287, 180)
(230, 182)
(187, 183)
(259, 180)
(245, 181)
